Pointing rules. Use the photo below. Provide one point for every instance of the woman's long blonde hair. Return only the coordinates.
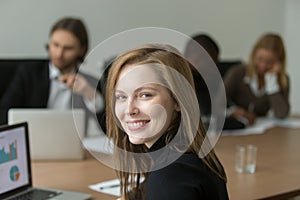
(163, 55)
(273, 43)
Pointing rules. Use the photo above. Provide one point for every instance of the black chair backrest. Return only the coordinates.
(8, 68)
(225, 65)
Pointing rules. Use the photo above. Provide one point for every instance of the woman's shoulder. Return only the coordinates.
(187, 166)
(235, 75)
(175, 181)
(187, 175)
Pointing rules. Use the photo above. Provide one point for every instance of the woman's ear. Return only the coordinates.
(177, 107)
(82, 51)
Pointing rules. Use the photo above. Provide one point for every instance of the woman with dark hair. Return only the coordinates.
(206, 98)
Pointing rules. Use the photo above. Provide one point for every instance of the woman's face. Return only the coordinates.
(144, 108)
(265, 61)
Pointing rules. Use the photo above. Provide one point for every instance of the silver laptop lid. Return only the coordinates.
(54, 134)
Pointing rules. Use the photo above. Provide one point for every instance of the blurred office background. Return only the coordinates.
(235, 24)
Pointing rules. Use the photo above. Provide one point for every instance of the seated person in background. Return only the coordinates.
(191, 54)
(153, 119)
(262, 86)
(202, 92)
(51, 84)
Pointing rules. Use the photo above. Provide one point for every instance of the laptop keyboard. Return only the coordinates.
(37, 194)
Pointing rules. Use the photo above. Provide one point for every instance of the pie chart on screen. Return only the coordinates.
(14, 173)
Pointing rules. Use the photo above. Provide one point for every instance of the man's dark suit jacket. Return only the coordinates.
(30, 88)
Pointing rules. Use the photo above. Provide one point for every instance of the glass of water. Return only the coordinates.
(245, 158)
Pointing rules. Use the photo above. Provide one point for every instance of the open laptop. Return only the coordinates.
(15, 168)
(53, 134)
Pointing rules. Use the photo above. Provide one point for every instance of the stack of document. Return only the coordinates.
(262, 124)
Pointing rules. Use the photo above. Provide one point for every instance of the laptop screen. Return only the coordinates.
(14, 158)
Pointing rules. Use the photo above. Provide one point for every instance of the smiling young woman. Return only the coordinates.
(154, 120)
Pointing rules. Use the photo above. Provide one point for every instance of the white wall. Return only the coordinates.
(292, 33)
(235, 24)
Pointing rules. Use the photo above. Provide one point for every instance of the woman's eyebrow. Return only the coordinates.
(147, 88)
(119, 91)
(155, 88)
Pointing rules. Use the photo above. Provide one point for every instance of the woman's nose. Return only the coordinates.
(133, 112)
(132, 108)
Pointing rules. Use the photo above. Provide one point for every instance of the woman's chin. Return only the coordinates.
(136, 140)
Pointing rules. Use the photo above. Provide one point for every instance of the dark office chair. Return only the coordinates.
(8, 68)
(225, 65)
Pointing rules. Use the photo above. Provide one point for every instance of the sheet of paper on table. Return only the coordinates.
(98, 144)
(111, 187)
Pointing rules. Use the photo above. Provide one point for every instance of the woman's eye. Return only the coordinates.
(120, 97)
(145, 95)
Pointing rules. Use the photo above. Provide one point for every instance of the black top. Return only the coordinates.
(186, 178)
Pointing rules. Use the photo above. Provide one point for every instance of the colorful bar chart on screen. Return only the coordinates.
(9, 153)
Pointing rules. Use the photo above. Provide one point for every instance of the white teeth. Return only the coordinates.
(136, 124)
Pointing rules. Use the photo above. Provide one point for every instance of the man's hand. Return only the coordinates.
(78, 84)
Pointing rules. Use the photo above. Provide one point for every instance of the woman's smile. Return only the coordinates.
(137, 124)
